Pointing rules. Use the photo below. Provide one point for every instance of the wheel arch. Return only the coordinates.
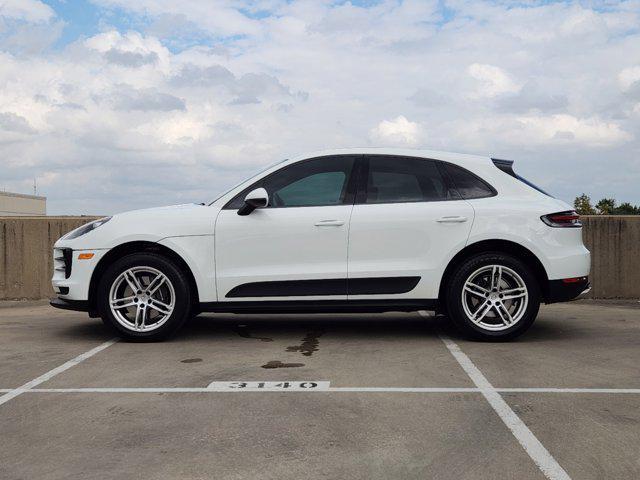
(138, 247)
(501, 246)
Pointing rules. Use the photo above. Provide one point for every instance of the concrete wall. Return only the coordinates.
(26, 245)
(26, 251)
(614, 242)
(17, 204)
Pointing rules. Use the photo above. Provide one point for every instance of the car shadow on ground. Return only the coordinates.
(273, 326)
(87, 329)
(352, 326)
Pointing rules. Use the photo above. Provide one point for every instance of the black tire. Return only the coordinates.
(178, 280)
(456, 309)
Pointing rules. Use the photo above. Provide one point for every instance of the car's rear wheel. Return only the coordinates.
(493, 296)
(144, 297)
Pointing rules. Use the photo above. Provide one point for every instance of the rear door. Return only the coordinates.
(407, 219)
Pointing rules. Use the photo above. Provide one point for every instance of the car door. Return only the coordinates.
(296, 247)
(407, 221)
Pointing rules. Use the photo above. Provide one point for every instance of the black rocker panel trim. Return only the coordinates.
(321, 306)
(333, 286)
(290, 288)
(381, 285)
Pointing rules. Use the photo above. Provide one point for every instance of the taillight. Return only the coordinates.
(562, 219)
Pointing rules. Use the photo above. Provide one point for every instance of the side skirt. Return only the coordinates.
(320, 306)
(328, 286)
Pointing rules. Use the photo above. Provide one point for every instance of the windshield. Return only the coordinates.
(248, 179)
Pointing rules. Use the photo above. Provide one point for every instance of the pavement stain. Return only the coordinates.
(279, 364)
(243, 331)
(119, 410)
(309, 344)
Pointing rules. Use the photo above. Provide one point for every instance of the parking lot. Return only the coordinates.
(329, 396)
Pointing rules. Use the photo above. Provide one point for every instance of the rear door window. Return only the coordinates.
(393, 179)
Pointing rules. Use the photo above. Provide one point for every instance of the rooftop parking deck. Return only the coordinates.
(326, 396)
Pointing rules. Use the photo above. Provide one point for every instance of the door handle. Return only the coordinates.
(452, 219)
(329, 223)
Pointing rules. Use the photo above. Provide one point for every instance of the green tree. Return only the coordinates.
(626, 208)
(583, 206)
(606, 206)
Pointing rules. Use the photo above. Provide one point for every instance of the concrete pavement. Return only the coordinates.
(79, 423)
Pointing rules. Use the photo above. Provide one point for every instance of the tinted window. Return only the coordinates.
(320, 181)
(401, 179)
(468, 184)
(318, 189)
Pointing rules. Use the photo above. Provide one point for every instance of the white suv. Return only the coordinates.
(359, 230)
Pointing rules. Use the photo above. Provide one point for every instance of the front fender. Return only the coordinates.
(197, 251)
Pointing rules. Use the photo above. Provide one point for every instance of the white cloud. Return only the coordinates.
(587, 131)
(11, 122)
(181, 129)
(28, 10)
(124, 97)
(197, 95)
(493, 80)
(27, 26)
(218, 16)
(629, 76)
(398, 131)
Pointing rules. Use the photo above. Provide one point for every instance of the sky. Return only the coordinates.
(113, 105)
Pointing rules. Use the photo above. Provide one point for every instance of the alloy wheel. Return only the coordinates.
(142, 299)
(495, 297)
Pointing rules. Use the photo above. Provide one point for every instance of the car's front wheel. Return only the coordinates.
(493, 296)
(144, 297)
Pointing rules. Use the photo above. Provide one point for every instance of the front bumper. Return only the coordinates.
(76, 305)
(72, 276)
(566, 289)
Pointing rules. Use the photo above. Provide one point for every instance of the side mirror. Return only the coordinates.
(258, 198)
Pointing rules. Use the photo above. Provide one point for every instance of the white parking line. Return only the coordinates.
(540, 455)
(252, 390)
(52, 373)
(568, 390)
(608, 391)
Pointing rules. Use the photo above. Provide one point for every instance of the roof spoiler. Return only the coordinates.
(505, 165)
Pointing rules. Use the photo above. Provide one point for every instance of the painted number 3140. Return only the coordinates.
(307, 385)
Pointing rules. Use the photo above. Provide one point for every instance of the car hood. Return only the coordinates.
(183, 208)
(149, 224)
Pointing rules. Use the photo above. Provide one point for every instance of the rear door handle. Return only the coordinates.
(329, 223)
(452, 219)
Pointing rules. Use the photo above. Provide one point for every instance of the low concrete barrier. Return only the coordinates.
(614, 242)
(26, 245)
(26, 251)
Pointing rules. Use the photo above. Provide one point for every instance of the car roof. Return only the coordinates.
(406, 152)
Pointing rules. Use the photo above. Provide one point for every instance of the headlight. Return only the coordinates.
(84, 229)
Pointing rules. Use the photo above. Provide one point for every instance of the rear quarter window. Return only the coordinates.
(468, 184)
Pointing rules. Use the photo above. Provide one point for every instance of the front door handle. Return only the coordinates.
(452, 219)
(329, 223)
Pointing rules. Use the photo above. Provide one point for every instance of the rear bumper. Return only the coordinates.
(563, 290)
(77, 305)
